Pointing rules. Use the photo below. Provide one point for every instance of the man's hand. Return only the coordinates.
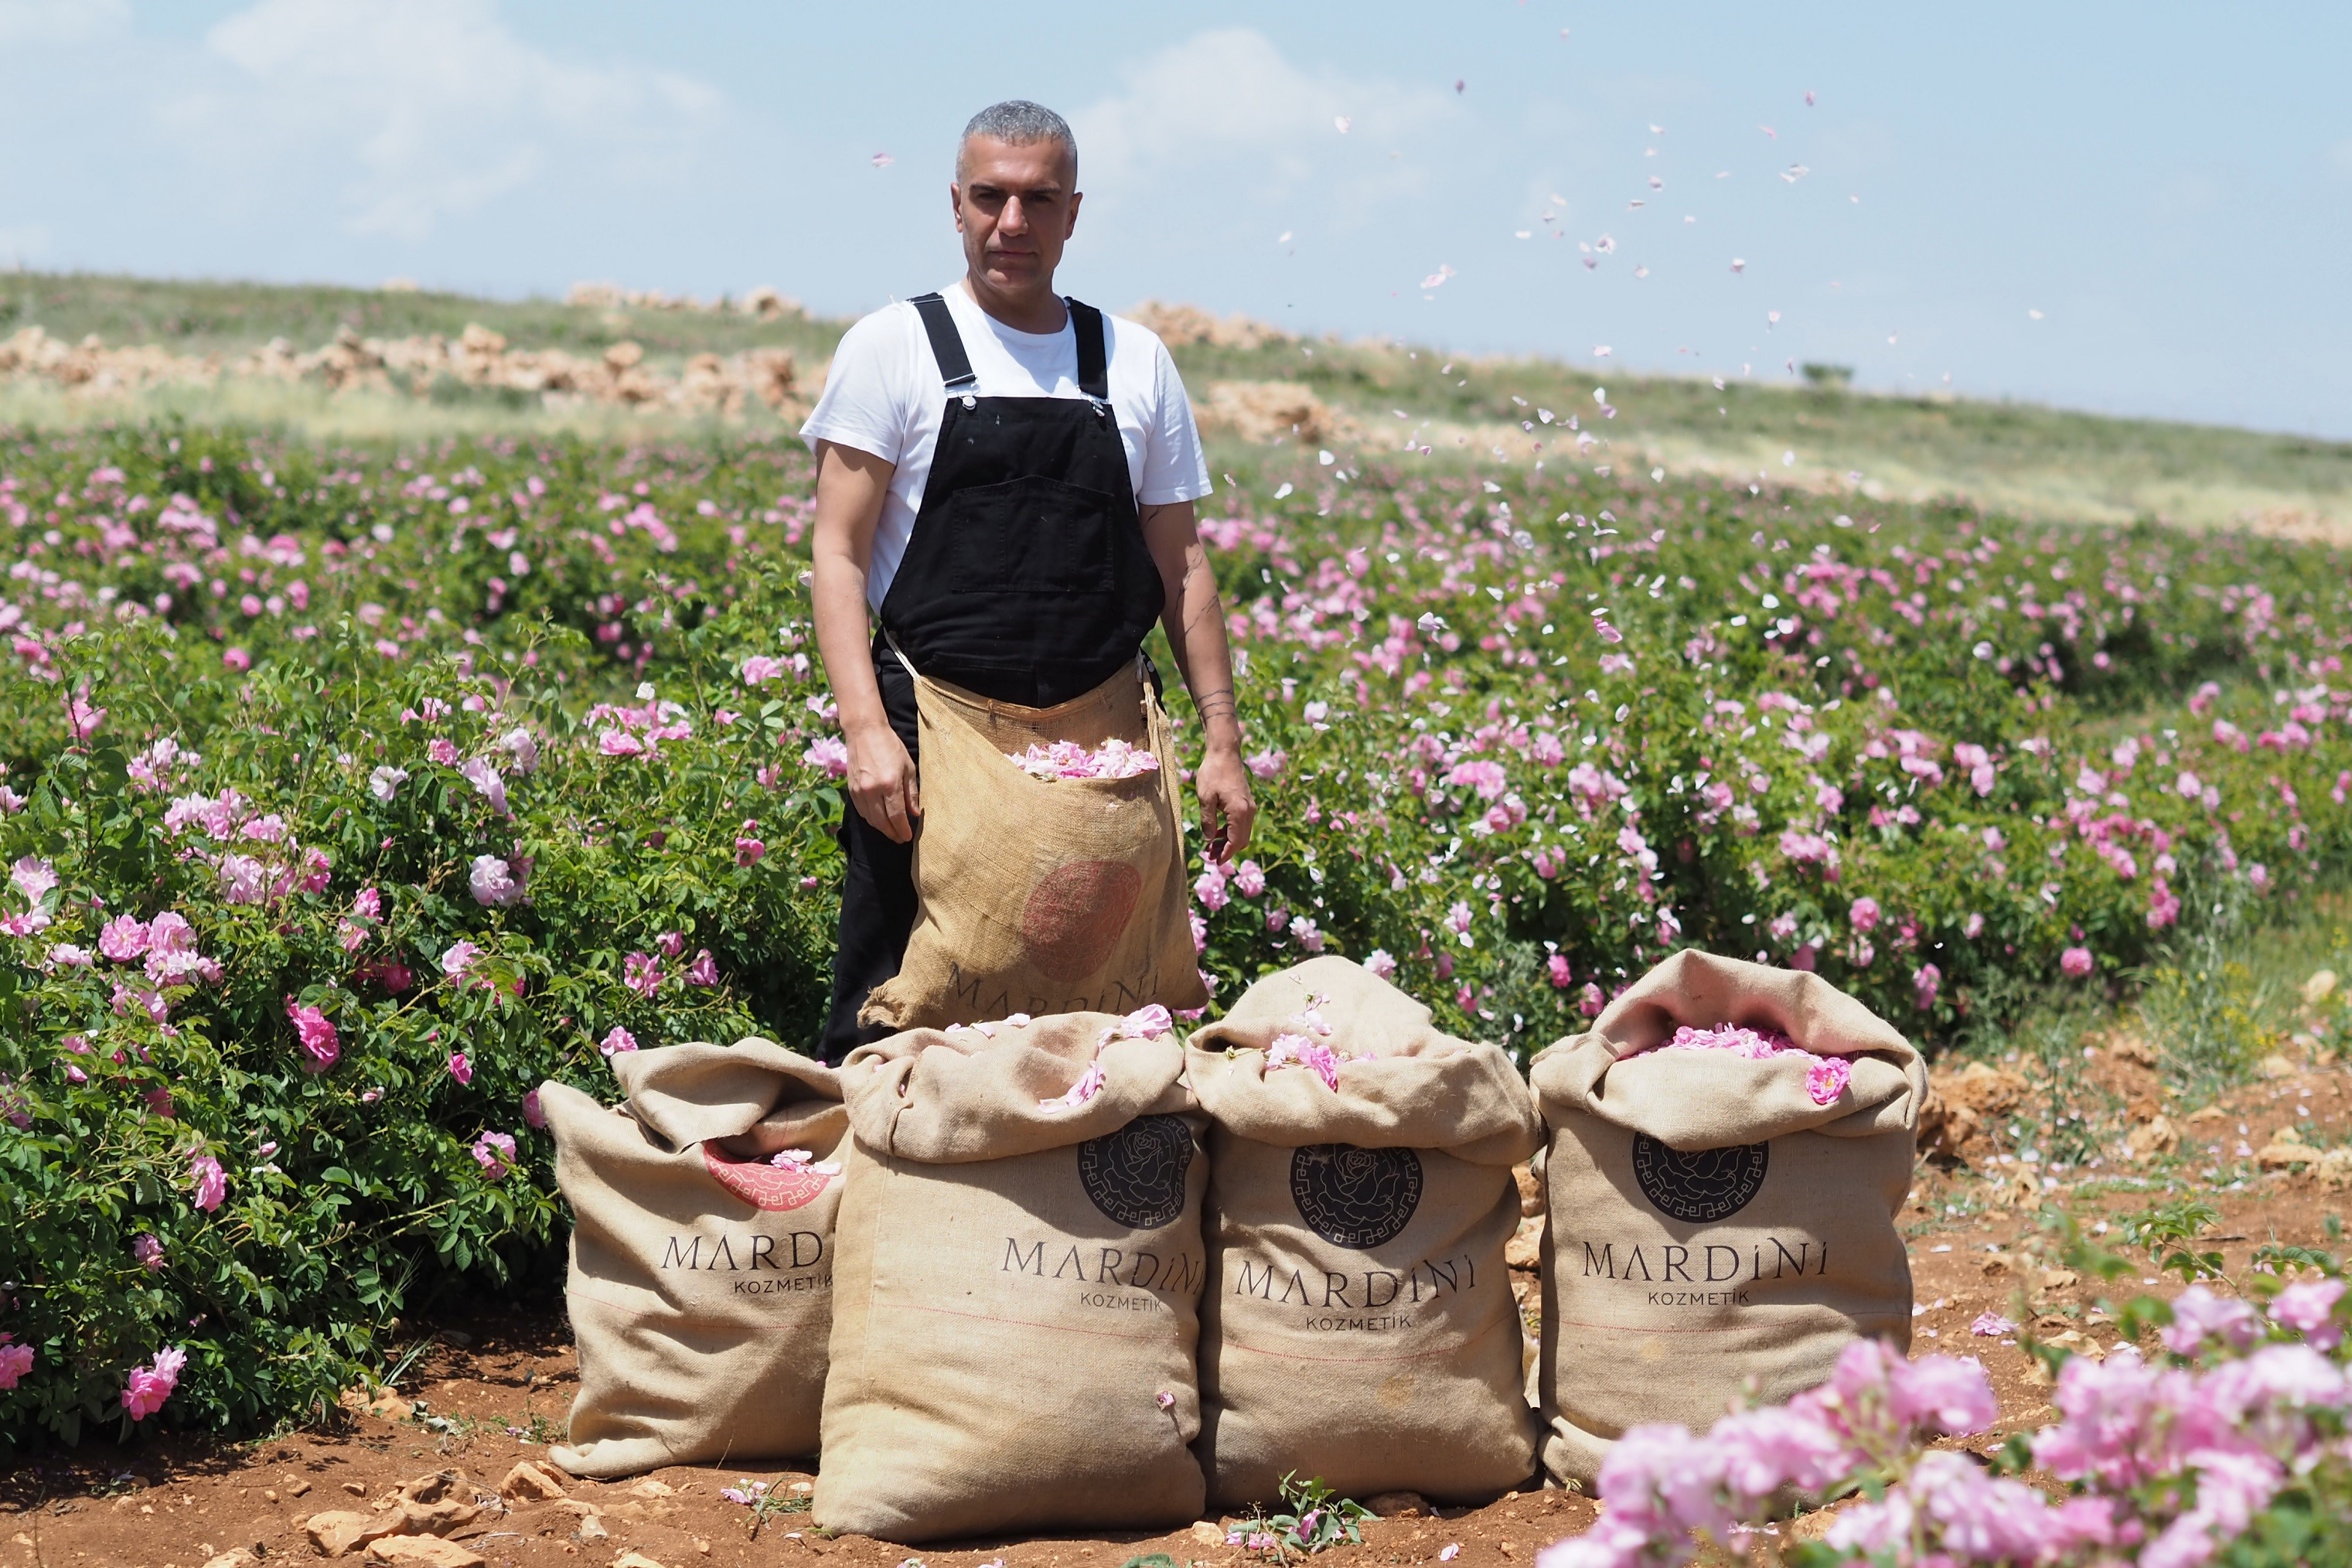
(1227, 807)
(882, 783)
(1196, 635)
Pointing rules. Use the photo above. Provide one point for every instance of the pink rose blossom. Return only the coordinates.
(460, 1068)
(483, 774)
(703, 971)
(1827, 1079)
(16, 1361)
(617, 1040)
(494, 884)
(211, 1182)
(533, 1113)
(642, 973)
(316, 1035)
(2308, 1309)
(149, 1386)
(1249, 879)
(148, 1250)
(1864, 915)
(1556, 968)
(494, 1152)
(2075, 962)
(829, 755)
(124, 938)
(1380, 963)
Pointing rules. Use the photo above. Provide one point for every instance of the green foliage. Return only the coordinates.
(2212, 1018)
(2169, 1232)
(1312, 1518)
(256, 687)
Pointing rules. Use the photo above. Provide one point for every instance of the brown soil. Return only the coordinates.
(494, 1390)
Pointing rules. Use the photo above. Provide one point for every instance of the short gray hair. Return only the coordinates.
(1018, 121)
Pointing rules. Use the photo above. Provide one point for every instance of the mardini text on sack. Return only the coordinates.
(1377, 1297)
(1144, 1275)
(747, 1253)
(1704, 1263)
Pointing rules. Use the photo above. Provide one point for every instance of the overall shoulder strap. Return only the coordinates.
(1094, 360)
(947, 343)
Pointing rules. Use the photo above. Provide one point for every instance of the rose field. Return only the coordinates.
(349, 791)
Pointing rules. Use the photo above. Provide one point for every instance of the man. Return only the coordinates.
(1005, 479)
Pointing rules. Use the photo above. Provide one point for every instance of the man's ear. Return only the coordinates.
(1071, 226)
(955, 202)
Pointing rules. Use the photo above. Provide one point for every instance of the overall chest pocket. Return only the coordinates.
(1033, 535)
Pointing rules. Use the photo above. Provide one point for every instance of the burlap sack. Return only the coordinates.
(1018, 1285)
(701, 1282)
(1360, 1324)
(1041, 897)
(1710, 1223)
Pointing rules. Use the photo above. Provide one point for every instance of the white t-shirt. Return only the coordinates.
(885, 395)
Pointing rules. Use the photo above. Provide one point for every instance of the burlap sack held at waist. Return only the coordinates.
(1019, 1278)
(701, 1280)
(1360, 1324)
(1045, 897)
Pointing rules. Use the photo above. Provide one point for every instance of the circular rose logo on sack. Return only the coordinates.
(1355, 1198)
(1702, 1187)
(1136, 1175)
(1076, 915)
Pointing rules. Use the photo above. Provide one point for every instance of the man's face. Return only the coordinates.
(1016, 207)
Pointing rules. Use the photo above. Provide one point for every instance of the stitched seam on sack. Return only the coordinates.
(1018, 1322)
(1703, 1329)
(641, 1313)
(1230, 1343)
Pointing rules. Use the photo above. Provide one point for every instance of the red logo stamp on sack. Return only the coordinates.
(1076, 914)
(763, 1185)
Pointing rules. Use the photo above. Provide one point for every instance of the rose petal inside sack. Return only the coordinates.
(1114, 759)
(1825, 1076)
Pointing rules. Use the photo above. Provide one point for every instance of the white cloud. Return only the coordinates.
(1225, 114)
(61, 21)
(417, 110)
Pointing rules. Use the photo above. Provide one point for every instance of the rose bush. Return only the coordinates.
(2226, 1434)
(349, 795)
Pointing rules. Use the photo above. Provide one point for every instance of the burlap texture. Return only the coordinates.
(1709, 1222)
(700, 1289)
(1360, 1324)
(1036, 895)
(1018, 1286)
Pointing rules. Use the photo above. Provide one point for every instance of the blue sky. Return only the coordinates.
(2169, 187)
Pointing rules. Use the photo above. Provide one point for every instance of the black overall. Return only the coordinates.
(1025, 580)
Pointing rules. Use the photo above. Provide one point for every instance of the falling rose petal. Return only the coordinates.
(882, 160)
(1342, 122)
